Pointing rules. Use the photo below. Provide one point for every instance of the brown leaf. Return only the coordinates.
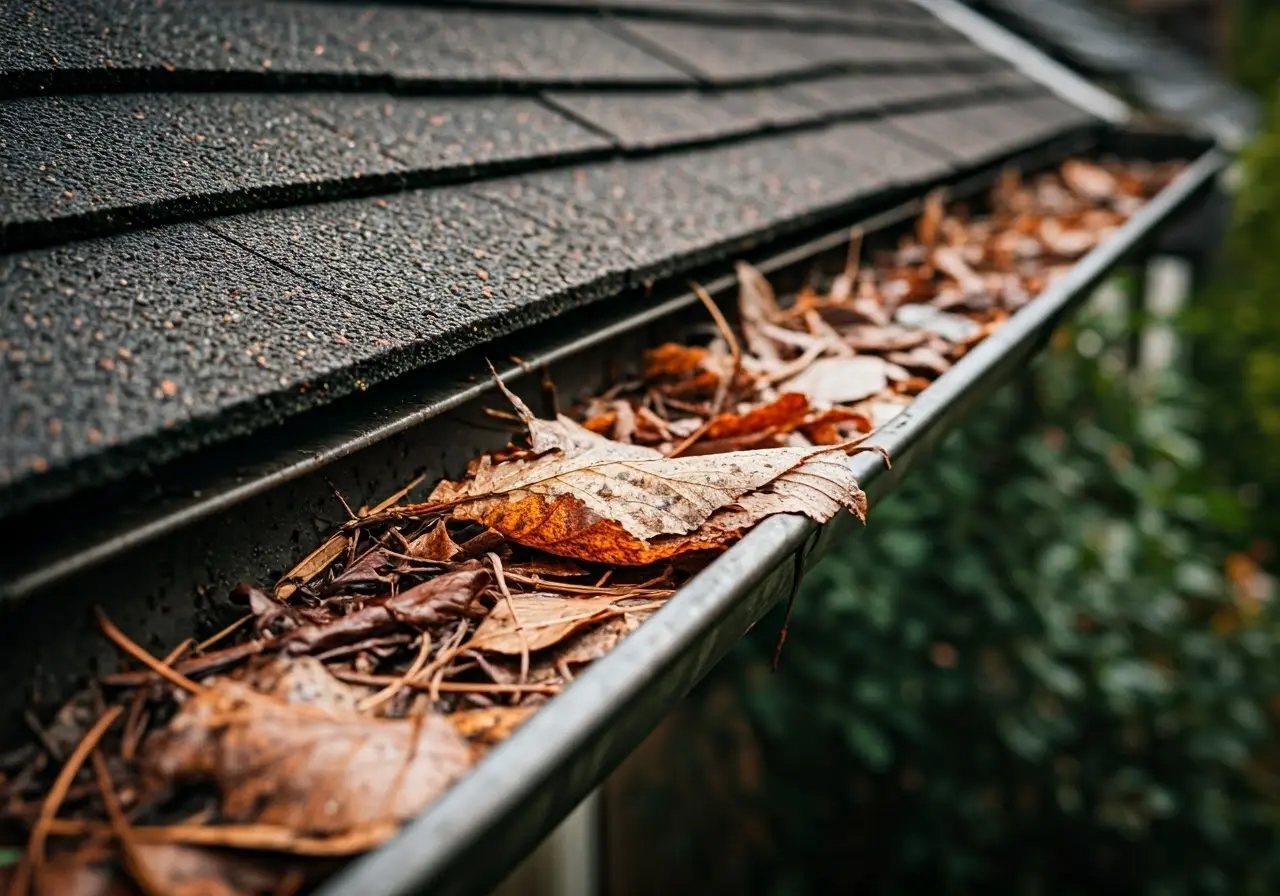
(931, 219)
(591, 645)
(613, 503)
(299, 767)
(673, 360)
(434, 544)
(1089, 181)
(783, 414)
(883, 339)
(492, 725)
(920, 358)
(825, 428)
(839, 380)
(437, 600)
(757, 306)
(312, 565)
(544, 619)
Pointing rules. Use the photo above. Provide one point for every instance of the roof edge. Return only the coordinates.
(1030, 60)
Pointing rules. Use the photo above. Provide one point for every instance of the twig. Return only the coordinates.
(394, 687)
(511, 608)
(230, 629)
(120, 826)
(129, 646)
(29, 872)
(133, 724)
(722, 391)
(853, 261)
(269, 837)
(447, 687)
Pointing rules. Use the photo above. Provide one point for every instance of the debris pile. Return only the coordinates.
(420, 634)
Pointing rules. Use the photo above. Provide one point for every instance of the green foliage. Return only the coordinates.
(1028, 675)
(1237, 332)
(1255, 37)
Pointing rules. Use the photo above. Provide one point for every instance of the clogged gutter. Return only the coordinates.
(384, 665)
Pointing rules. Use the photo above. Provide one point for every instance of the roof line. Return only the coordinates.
(1030, 60)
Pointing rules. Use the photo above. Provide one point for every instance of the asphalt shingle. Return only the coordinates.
(145, 337)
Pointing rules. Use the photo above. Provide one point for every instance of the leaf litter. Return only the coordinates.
(419, 635)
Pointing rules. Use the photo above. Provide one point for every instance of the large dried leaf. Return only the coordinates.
(588, 497)
(540, 621)
(301, 767)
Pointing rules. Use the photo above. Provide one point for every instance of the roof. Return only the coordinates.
(1116, 47)
(218, 216)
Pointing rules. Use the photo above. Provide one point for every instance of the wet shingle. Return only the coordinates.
(446, 268)
(433, 134)
(647, 120)
(243, 42)
(151, 336)
(122, 155)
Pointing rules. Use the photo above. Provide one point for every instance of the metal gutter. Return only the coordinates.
(485, 824)
(1030, 60)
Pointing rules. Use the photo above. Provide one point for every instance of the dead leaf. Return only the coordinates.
(757, 306)
(673, 360)
(432, 602)
(952, 327)
(1089, 181)
(611, 503)
(930, 219)
(544, 619)
(839, 380)
(434, 544)
(491, 725)
(312, 565)
(783, 414)
(303, 769)
(920, 358)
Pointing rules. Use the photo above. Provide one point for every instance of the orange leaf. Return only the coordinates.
(673, 359)
(783, 414)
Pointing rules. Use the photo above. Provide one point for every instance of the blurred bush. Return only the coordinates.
(1032, 673)
(1037, 671)
(1235, 324)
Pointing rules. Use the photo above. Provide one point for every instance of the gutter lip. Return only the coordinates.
(486, 822)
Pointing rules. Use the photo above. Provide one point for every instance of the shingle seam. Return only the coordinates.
(94, 82)
(615, 28)
(319, 286)
(580, 120)
(18, 236)
(818, 23)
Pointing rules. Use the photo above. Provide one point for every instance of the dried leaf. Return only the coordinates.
(1089, 180)
(432, 602)
(757, 306)
(301, 768)
(783, 414)
(839, 380)
(434, 544)
(609, 503)
(673, 360)
(540, 621)
(930, 219)
(951, 327)
(312, 565)
(492, 725)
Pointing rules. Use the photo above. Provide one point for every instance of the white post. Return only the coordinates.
(567, 863)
